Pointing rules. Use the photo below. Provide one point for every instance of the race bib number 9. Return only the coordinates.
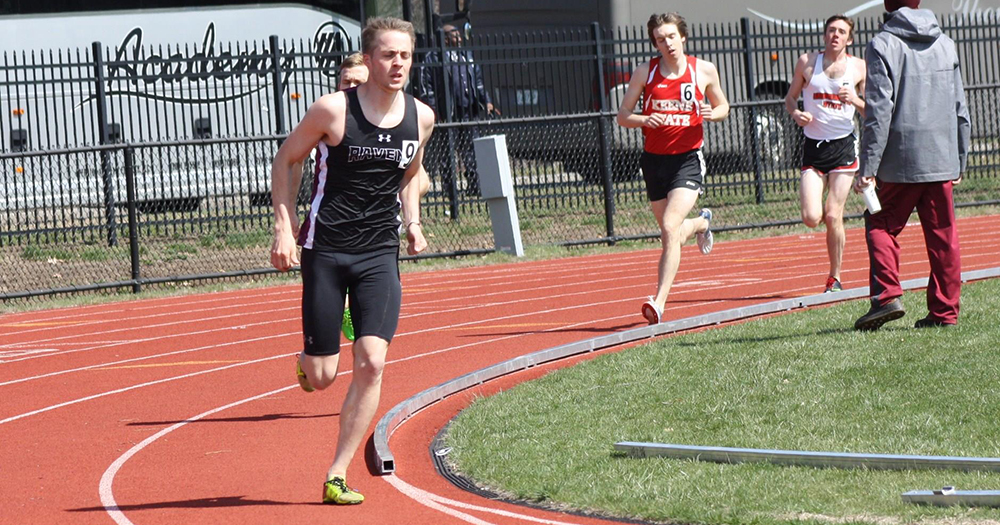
(409, 151)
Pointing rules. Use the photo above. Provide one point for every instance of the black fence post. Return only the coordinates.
(279, 108)
(100, 99)
(749, 78)
(451, 182)
(604, 140)
(133, 226)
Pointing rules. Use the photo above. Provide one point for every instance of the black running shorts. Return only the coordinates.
(826, 156)
(664, 173)
(376, 295)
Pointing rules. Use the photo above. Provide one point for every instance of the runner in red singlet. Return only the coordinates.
(674, 88)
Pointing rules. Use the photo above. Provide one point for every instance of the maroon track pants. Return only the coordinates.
(933, 201)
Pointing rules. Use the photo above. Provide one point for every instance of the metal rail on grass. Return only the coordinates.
(385, 463)
(806, 458)
(966, 498)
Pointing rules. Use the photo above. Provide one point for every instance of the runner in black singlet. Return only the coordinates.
(369, 144)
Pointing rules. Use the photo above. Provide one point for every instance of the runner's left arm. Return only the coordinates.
(856, 99)
(410, 187)
(718, 107)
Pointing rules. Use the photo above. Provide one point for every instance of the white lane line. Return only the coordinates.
(134, 387)
(238, 315)
(573, 271)
(108, 478)
(159, 313)
(134, 359)
(426, 498)
(417, 304)
(227, 367)
(431, 500)
(132, 306)
(430, 329)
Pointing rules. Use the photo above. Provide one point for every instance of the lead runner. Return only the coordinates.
(369, 143)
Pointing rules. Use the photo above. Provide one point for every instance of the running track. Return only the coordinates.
(185, 409)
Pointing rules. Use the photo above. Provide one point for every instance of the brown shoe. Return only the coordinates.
(879, 315)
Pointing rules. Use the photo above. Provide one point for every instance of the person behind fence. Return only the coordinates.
(370, 142)
(914, 148)
(678, 93)
(830, 82)
(470, 100)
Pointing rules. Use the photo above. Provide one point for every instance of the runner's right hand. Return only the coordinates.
(802, 118)
(283, 252)
(655, 120)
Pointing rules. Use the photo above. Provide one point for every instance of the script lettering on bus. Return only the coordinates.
(136, 72)
(330, 43)
(971, 7)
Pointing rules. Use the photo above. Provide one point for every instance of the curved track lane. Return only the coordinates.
(184, 409)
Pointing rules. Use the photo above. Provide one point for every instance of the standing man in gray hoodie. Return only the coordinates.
(915, 143)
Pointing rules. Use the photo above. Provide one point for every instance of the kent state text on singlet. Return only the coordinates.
(680, 100)
(832, 118)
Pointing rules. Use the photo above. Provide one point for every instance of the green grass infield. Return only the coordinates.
(801, 381)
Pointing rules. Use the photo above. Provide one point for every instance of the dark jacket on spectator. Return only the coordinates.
(468, 92)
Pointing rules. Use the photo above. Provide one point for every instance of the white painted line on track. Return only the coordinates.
(426, 330)
(279, 356)
(428, 498)
(159, 313)
(134, 387)
(239, 315)
(679, 285)
(108, 478)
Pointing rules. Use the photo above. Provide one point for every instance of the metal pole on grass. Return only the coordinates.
(101, 102)
(133, 226)
(604, 138)
(754, 110)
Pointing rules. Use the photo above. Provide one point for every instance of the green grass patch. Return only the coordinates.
(248, 239)
(801, 381)
(34, 252)
(102, 253)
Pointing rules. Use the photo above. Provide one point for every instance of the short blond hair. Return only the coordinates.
(378, 24)
(352, 60)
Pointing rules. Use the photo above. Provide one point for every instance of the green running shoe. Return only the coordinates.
(301, 376)
(347, 326)
(336, 492)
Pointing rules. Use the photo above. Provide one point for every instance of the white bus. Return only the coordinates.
(173, 70)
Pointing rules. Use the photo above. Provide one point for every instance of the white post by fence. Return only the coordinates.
(497, 186)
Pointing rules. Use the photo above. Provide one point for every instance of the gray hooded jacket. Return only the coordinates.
(916, 122)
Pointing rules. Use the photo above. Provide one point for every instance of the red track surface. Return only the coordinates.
(185, 409)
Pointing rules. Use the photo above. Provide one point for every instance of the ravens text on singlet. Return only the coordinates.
(354, 206)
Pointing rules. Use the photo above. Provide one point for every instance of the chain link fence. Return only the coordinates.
(162, 190)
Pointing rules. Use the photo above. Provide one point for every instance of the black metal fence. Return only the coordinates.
(122, 167)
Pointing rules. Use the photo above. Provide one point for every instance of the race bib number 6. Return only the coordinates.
(687, 92)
